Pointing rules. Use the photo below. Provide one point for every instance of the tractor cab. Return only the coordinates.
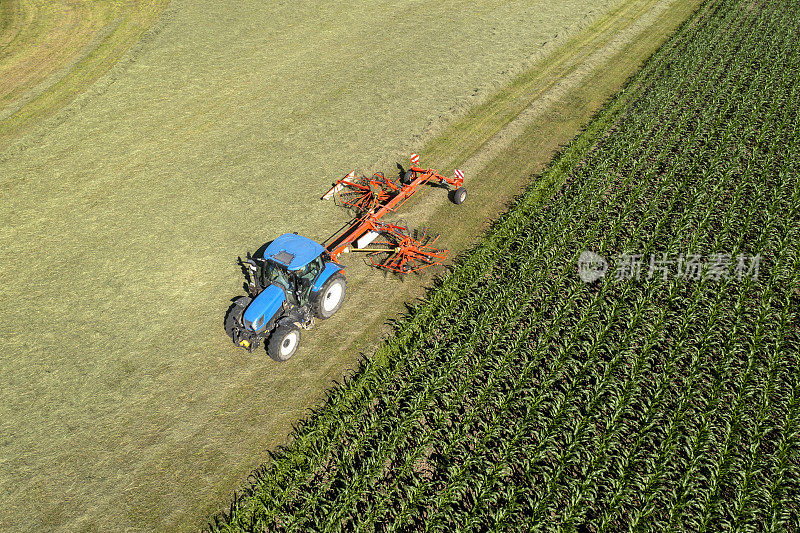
(293, 263)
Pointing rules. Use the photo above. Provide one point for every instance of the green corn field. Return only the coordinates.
(516, 396)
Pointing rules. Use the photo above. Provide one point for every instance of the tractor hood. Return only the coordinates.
(263, 308)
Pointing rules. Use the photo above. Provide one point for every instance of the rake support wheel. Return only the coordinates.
(459, 195)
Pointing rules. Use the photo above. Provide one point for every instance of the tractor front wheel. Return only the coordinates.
(283, 342)
(330, 297)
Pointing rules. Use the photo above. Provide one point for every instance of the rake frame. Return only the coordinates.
(375, 198)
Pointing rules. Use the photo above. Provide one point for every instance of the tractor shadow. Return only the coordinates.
(243, 265)
(261, 249)
(235, 301)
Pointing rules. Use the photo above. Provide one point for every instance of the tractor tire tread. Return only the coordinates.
(316, 305)
(276, 340)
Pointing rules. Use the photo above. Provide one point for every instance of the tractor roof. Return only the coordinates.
(293, 251)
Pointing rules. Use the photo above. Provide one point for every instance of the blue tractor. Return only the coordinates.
(294, 283)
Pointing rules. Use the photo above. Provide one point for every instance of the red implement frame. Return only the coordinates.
(375, 198)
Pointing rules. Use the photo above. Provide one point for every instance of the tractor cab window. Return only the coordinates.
(306, 276)
(312, 269)
(275, 274)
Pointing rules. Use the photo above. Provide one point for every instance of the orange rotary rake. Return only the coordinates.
(404, 251)
(362, 193)
(389, 246)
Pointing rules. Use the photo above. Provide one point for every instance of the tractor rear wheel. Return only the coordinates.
(459, 195)
(234, 317)
(329, 299)
(283, 342)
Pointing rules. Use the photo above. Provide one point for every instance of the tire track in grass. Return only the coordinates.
(500, 142)
(52, 51)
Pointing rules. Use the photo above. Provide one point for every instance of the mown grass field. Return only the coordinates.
(124, 405)
(53, 50)
(516, 396)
